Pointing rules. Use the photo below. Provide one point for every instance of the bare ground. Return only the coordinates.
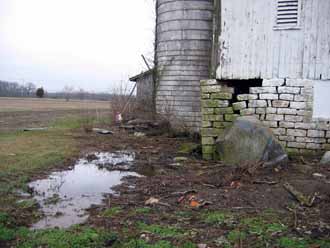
(243, 191)
(191, 188)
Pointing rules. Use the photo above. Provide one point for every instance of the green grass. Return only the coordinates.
(111, 212)
(294, 242)
(257, 231)
(218, 218)
(139, 243)
(236, 235)
(75, 237)
(24, 155)
(161, 231)
(139, 211)
(260, 226)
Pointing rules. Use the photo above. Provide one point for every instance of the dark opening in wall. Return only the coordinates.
(243, 86)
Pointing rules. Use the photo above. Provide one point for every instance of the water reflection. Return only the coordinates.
(65, 196)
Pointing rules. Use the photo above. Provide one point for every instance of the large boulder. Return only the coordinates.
(248, 140)
(326, 158)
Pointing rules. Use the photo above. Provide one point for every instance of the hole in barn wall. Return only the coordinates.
(242, 87)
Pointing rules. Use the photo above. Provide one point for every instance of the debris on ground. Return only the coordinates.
(248, 140)
(35, 129)
(148, 127)
(154, 201)
(189, 198)
(208, 203)
(235, 184)
(319, 176)
(202, 246)
(300, 197)
(151, 201)
(303, 168)
(180, 159)
(102, 131)
(139, 134)
(189, 148)
(265, 182)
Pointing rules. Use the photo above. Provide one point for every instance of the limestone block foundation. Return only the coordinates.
(284, 105)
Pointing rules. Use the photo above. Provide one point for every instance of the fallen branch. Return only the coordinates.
(266, 182)
(301, 198)
(214, 166)
(184, 193)
(210, 185)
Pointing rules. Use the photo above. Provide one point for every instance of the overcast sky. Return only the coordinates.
(90, 44)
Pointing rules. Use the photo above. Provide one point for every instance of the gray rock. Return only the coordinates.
(248, 140)
(326, 158)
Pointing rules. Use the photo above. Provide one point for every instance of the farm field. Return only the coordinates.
(18, 113)
(167, 197)
(44, 104)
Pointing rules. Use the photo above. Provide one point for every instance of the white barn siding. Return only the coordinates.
(250, 47)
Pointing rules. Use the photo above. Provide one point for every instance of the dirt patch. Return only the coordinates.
(191, 201)
(196, 186)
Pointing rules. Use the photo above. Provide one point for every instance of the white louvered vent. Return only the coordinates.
(287, 13)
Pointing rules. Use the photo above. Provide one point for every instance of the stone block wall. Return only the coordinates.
(284, 105)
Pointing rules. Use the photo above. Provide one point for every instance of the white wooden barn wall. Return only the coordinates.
(251, 48)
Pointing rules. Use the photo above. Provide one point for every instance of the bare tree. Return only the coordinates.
(30, 88)
(68, 91)
(12, 89)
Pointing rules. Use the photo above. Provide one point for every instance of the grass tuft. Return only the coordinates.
(162, 231)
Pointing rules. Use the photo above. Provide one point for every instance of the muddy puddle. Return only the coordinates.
(65, 196)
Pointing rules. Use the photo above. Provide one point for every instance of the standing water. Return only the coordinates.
(65, 196)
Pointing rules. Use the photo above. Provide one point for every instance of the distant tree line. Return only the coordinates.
(80, 95)
(13, 89)
(10, 89)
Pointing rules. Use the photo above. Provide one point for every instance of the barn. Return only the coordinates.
(219, 59)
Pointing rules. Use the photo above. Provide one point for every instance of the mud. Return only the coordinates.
(246, 190)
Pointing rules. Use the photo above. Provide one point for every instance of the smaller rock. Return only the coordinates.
(202, 245)
(102, 131)
(175, 165)
(326, 158)
(145, 237)
(139, 134)
(319, 176)
(180, 159)
(152, 201)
